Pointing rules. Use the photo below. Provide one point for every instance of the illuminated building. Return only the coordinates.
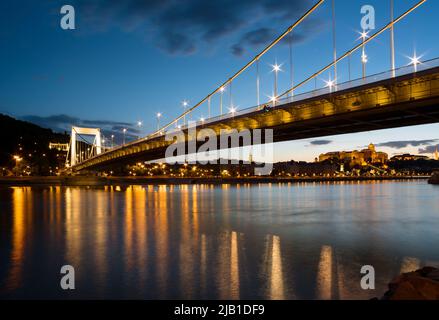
(408, 157)
(361, 158)
(59, 146)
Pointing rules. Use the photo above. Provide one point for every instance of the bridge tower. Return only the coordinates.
(84, 131)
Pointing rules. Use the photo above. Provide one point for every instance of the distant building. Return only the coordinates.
(60, 151)
(59, 146)
(408, 157)
(304, 168)
(361, 158)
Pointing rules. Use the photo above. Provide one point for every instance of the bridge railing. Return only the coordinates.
(425, 65)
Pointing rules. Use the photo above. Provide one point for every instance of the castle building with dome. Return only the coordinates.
(361, 158)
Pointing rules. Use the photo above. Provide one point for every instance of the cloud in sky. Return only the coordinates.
(406, 143)
(428, 149)
(257, 38)
(62, 122)
(181, 27)
(320, 142)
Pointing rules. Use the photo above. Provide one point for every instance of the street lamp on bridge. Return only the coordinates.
(158, 120)
(273, 100)
(185, 105)
(330, 84)
(364, 35)
(276, 69)
(414, 61)
(222, 89)
(139, 124)
(124, 132)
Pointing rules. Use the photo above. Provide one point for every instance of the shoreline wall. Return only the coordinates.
(104, 181)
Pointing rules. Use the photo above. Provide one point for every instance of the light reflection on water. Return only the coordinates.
(267, 241)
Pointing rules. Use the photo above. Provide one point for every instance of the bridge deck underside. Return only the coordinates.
(403, 101)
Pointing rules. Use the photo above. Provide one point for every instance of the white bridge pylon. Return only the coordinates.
(75, 154)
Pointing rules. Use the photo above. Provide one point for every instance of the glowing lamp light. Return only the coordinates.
(124, 130)
(139, 123)
(222, 89)
(364, 35)
(273, 99)
(202, 119)
(232, 110)
(330, 83)
(415, 60)
(364, 58)
(276, 68)
(159, 114)
(185, 103)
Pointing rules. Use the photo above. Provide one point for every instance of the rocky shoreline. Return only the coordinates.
(422, 284)
(434, 179)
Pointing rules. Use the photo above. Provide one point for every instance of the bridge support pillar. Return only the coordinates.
(86, 131)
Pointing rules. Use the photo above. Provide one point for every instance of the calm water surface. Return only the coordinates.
(268, 241)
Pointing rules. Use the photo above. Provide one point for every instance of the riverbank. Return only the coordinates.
(422, 284)
(434, 178)
(104, 181)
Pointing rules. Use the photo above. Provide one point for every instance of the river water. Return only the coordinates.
(266, 241)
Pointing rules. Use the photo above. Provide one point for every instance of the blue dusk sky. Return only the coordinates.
(128, 60)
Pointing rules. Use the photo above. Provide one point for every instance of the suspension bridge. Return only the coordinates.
(403, 96)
